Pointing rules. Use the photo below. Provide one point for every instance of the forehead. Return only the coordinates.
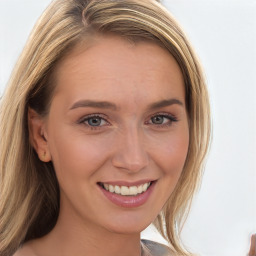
(110, 63)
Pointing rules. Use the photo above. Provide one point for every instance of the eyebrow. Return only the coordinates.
(112, 106)
(164, 103)
(94, 104)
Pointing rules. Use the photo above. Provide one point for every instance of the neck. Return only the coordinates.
(73, 237)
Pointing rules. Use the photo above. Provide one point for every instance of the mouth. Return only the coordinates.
(126, 194)
(126, 190)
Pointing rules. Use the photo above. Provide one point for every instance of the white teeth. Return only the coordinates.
(125, 191)
(133, 190)
(111, 188)
(145, 186)
(117, 190)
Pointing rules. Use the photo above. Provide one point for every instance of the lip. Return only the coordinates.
(128, 201)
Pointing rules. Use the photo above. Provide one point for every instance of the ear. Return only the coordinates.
(38, 136)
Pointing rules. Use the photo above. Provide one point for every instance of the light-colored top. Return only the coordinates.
(151, 248)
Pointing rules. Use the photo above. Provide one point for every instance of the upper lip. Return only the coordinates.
(127, 183)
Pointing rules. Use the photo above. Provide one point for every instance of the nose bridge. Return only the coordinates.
(131, 153)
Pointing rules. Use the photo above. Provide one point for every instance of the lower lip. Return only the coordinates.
(129, 201)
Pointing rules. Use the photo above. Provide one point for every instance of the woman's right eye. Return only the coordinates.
(94, 121)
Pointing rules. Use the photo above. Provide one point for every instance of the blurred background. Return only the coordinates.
(223, 33)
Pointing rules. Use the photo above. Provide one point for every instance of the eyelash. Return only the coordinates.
(104, 118)
(87, 118)
(171, 118)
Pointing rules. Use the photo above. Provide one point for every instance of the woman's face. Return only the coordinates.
(117, 133)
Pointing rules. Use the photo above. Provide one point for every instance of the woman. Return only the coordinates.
(105, 125)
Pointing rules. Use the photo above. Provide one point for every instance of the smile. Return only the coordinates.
(125, 190)
(128, 195)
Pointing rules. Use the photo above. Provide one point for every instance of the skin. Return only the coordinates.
(252, 251)
(127, 145)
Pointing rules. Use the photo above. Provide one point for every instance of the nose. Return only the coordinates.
(130, 153)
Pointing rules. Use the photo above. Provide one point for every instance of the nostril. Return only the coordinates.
(129, 152)
(130, 161)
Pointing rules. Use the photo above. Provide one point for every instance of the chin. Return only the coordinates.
(128, 229)
(129, 224)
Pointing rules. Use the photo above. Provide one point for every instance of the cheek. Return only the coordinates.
(170, 155)
(77, 156)
(171, 158)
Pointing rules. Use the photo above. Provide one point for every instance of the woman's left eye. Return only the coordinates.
(162, 119)
(159, 120)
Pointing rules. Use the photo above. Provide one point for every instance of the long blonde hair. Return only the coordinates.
(29, 192)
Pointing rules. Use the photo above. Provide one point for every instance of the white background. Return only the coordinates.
(223, 33)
